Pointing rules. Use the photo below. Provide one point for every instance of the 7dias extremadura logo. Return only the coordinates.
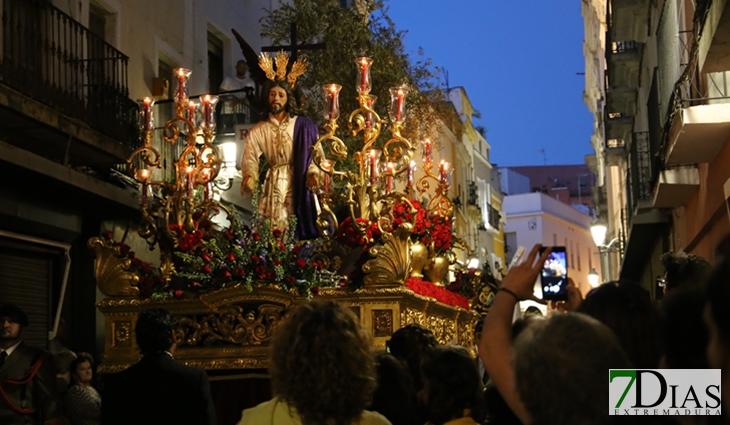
(664, 392)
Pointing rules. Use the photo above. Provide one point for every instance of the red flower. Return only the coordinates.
(271, 275)
(227, 274)
(146, 268)
(207, 270)
(276, 233)
(290, 280)
(255, 259)
(240, 272)
(317, 265)
(277, 263)
(123, 249)
(146, 287)
(194, 284)
(315, 290)
(136, 263)
(281, 245)
(206, 258)
(107, 234)
(256, 237)
(297, 249)
(231, 258)
(178, 293)
(228, 234)
(301, 263)
(443, 295)
(260, 272)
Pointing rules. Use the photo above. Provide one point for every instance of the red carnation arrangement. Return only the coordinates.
(348, 235)
(428, 289)
(428, 227)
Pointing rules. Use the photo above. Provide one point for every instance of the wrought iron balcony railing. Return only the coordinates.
(642, 173)
(48, 56)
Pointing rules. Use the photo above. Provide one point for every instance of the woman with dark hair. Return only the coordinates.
(452, 391)
(394, 397)
(409, 345)
(322, 370)
(82, 401)
(627, 310)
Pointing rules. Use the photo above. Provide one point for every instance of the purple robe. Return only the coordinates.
(305, 136)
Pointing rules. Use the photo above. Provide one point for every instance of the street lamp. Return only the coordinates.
(598, 231)
(593, 278)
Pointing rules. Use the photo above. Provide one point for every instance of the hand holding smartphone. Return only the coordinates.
(554, 275)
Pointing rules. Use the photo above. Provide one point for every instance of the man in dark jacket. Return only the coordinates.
(27, 378)
(157, 390)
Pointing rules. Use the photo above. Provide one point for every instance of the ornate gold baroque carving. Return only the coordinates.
(382, 323)
(230, 325)
(122, 331)
(112, 270)
(392, 262)
(443, 329)
(409, 316)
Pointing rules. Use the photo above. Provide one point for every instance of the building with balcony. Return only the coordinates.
(69, 77)
(477, 187)
(667, 128)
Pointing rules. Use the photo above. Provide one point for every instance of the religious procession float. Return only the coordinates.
(388, 253)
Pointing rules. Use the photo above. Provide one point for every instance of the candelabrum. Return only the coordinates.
(370, 192)
(186, 201)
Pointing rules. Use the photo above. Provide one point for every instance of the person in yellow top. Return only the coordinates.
(322, 370)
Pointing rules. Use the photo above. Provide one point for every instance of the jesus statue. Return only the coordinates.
(285, 139)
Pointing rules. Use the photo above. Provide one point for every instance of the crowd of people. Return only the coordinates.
(536, 370)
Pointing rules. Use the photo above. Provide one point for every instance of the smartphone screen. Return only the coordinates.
(554, 275)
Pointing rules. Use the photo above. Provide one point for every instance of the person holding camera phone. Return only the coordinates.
(556, 375)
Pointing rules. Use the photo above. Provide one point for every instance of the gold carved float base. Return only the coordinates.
(231, 328)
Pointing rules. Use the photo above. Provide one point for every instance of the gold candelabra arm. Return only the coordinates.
(326, 220)
(397, 139)
(338, 149)
(357, 122)
(423, 185)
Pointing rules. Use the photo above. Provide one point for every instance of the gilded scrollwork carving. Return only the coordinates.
(409, 316)
(392, 262)
(112, 270)
(443, 329)
(231, 325)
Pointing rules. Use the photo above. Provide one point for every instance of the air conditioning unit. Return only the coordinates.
(160, 88)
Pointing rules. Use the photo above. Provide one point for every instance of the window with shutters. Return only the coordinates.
(27, 276)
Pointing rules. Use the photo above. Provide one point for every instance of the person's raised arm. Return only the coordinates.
(495, 347)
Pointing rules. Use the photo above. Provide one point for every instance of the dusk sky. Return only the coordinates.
(518, 61)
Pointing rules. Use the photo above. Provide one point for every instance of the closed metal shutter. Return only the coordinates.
(25, 280)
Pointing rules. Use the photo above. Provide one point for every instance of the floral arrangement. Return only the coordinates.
(348, 235)
(206, 259)
(440, 294)
(149, 277)
(431, 229)
(465, 282)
